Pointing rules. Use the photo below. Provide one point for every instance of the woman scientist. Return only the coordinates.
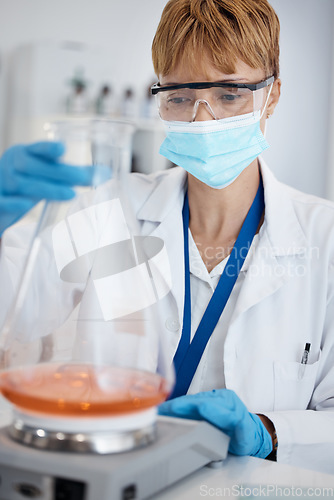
(253, 260)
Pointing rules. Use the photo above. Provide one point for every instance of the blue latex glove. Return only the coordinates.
(223, 409)
(30, 173)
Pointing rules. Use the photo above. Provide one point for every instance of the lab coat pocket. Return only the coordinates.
(293, 384)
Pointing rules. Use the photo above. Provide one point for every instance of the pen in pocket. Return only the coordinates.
(304, 360)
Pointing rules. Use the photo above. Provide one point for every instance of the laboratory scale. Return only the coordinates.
(179, 448)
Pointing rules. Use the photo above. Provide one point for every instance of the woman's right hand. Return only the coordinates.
(30, 173)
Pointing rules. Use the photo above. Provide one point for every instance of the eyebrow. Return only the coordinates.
(225, 80)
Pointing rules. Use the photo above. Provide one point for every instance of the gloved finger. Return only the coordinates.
(53, 150)
(182, 407)
(200, 409)
(15, 205)
(38, 189)
(196, 409)
(184, 403)
(34, 166)
(47, 149)
(221, 407)
(11, 210)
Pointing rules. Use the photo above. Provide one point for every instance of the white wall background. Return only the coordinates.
(300, 132)
(302, 129)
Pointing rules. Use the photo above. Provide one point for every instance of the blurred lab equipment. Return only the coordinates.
(39, 91)
(128, 104)
(105, 102)
(77, 101)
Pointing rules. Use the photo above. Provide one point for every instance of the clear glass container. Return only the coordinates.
(83, 361)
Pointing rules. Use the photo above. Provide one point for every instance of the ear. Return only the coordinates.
(273, 98)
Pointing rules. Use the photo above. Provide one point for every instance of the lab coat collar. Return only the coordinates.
(163, 208)
(168, 192)
(280, 235)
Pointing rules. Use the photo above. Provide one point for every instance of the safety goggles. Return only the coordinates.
(222, 99)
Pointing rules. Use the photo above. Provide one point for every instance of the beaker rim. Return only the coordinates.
(90, 122)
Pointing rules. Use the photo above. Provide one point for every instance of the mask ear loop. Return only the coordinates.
(264, 107)
(265, 104)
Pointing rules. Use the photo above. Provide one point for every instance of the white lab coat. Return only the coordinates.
(286, 300)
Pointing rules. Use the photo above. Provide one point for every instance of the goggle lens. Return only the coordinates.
(181, 102)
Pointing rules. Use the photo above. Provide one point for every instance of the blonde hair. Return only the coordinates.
(195, 32)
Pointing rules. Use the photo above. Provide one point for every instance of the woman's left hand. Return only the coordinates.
(223, 409)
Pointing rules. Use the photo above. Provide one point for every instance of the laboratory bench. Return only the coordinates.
(249, 477)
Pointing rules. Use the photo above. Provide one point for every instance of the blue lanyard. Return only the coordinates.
(188, 354)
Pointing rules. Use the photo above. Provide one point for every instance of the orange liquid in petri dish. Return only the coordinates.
(82, 390)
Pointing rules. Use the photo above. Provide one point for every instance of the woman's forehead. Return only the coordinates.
(206, 71)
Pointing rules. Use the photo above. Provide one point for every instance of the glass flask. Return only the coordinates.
(83, 360)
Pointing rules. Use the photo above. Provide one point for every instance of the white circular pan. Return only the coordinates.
(125, 422)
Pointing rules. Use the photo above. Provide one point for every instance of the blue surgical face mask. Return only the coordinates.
(214, 151)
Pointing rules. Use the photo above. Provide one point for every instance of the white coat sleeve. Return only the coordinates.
(306, 437)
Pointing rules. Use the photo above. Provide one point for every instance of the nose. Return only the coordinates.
(203, 111)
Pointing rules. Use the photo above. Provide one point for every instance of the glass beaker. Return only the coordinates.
(83, 360)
